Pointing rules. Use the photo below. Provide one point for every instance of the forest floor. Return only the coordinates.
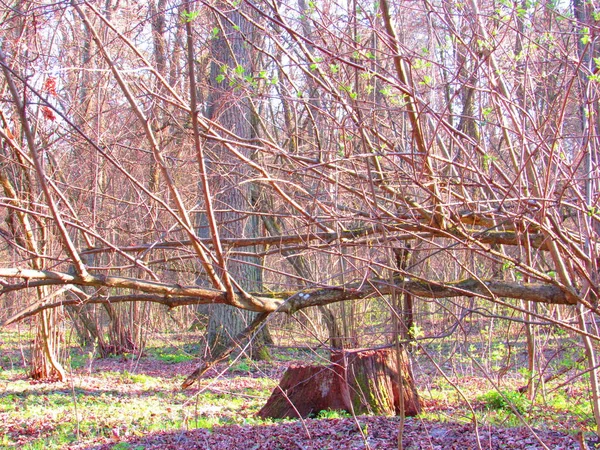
(136, 403)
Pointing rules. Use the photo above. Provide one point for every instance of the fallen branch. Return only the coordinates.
(174, 295)
(507, 237)
(224, 354)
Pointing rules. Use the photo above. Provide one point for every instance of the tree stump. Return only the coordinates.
(373, 382)
(359, 381)
(305, 390)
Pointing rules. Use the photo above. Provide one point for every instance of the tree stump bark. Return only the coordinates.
(305, 390)
(373, 381)
(357, 381)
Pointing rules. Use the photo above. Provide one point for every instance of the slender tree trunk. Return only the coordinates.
(405, 308)
(587, 53)
(45, 364)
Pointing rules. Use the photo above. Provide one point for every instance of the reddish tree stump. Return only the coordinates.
(305, 390)
(359, 381)
(372, 377)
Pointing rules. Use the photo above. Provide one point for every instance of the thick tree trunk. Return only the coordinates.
(224, 324)
(229, 108)
(88, 330)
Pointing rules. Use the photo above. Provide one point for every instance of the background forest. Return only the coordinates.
(249, 178)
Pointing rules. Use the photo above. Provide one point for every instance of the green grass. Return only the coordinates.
(102, 412)
(333, 414)
(125, 401)
(553, 409)
(505, 400)
(303, 353)
(170, 355)
(79, 359)
(242, 365)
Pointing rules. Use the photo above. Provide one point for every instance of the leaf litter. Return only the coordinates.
(348, 433)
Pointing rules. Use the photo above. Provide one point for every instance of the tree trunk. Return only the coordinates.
(228, 106)
(120, 339)
(406, 326)
(224, 324)
(85, 320)
(44, 361)
(582, 11)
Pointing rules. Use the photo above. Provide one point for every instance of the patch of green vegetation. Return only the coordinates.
(140, 378)
(98, 412)
(505, 400)
(4, 441)
(302, 353)
(192, 348)
(171, 355)
(12, 375)
(8, 362)
(263, 354)
(242, 365)
(208, 422)
(289, 356)
(126, 446)
(255, 420)
(333, 414)
(122, 446)
(444, 394)
(55, 415)
(164, 425)
(13, 338)
(14, 350)
(222, 402)
(559, 403)
(78, 360)
(59, 437)
(501, 418)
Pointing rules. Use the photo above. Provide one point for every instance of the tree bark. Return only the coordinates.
(372, 377)
(358, 381)
(228, 107)
(45, 364)
(305, 390)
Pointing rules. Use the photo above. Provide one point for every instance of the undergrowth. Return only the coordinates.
(117, 398)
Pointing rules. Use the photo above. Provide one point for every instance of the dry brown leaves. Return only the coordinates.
(364, 432)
